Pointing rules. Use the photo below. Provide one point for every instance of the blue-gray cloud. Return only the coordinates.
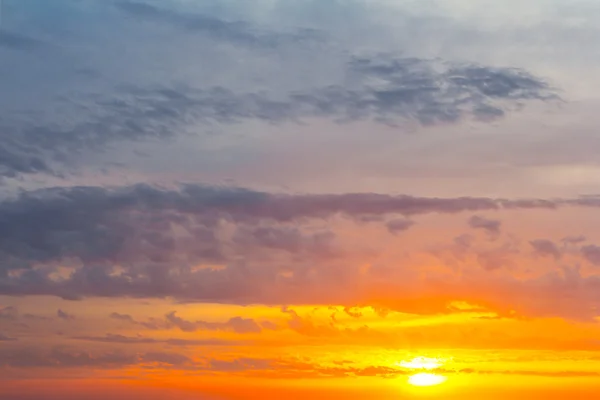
(94, 95)
(235, 32)
(16, 41)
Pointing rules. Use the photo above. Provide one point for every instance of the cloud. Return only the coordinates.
(545, 247)
(412, 91)
(145, 241)
(414, 88)
(120, 339)
(173, 359)
(4, 338)
(352, 313)
(172, 320)
(64, 316)
(396, 226)
(591, 253)
(491, 226)
(122, 317)
(93, 101)
(103, 225)
(235, 32)
(570, 240)
(9, 313)
(16, 41)
(287, 239)
(58, 357)
(235, 324)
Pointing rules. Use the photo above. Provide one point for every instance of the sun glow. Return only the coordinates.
(426, 379)
(423, 368)
(422, 363)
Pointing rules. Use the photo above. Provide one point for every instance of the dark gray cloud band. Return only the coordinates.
(145, 241)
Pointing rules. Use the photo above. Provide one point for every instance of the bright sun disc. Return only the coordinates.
(426, 379)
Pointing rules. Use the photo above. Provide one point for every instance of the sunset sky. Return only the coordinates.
(299, 199)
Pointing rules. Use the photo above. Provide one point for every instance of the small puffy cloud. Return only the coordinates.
(491, 226)
(396, 226)
(545, 247)
(591, 253)
(573, 240)
(122, 317)
(64, 315)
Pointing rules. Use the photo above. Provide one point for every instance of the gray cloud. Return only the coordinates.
(545, 247)
(158, 236)
(235, 324)
(4, 338)
(405, 89)
(96, 224)
(396, 226)
(122, 317)
(61, 357)
(58, 357)
(573, 240)
(291, 240)
(15, 41)
(172, 320)
(489, 225)
(235, 32)
(94, 96)
(64, 315)
(591, 253)
(120, 339)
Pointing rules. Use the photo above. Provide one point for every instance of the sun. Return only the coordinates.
(426, 379)
(423, 368)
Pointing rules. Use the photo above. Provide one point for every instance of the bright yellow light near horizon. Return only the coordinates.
(422, 363)
(426, 379)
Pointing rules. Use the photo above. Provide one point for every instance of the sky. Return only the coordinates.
(325, 199)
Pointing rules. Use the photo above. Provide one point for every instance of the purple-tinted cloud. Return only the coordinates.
(64, 315)
(591, 253)
(491, 226)
(545, 247)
